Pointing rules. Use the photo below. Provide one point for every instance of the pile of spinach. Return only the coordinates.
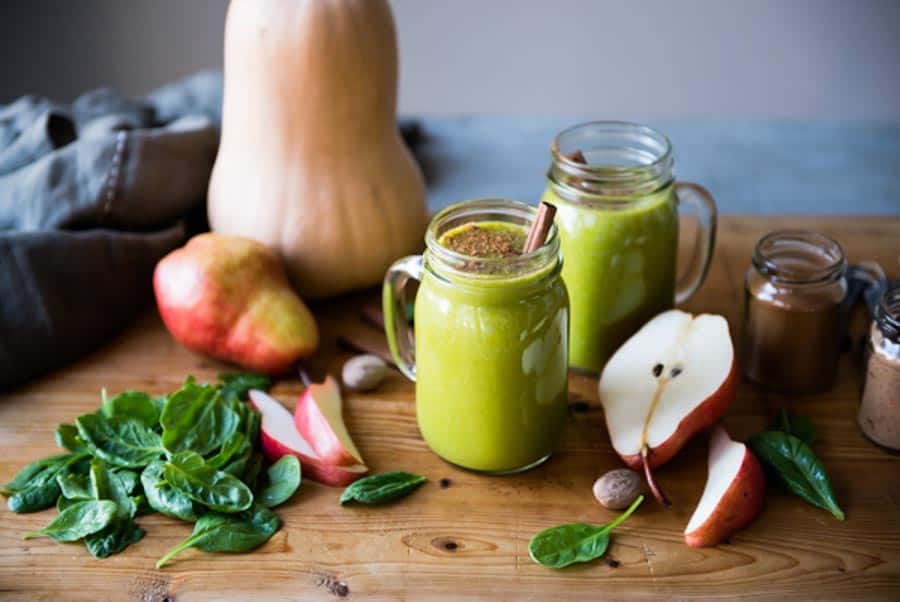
(191, 455)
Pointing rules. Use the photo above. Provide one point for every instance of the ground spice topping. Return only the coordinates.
(485, 243)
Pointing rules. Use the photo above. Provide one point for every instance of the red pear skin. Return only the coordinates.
(229, 298)
(703, 417)
(313, 468)
(741, 503)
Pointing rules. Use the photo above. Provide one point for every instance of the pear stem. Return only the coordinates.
(651, 482)
(304, 378)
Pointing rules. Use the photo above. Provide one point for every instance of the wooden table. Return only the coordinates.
(470, 539)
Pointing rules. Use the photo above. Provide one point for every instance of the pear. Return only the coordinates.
(228, 297)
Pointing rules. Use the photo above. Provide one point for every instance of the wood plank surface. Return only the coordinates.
(469, 540)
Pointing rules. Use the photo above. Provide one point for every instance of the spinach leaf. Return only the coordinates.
(567, 544)
(191, 475)
(63, 502)
(195, 418)
(159, 402)
(66, 436)
(121, 532)
(798, 426)
(143, 507)
(115, 537)
(132, 404)
(251, 472)
(797, 467)
(120, 441)
(129, 479)
(164, 498)
(107, 485)
(237, 385)
(74, 486)
(381, 488)
(283, 480)
(237, 466)
(41, 488)
(252, 422)
(236, 446)
(78, 520)
(29, 472)
(241, 532)
(41, 494)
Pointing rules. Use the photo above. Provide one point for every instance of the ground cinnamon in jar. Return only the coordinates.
(794, 314)
(879, 412)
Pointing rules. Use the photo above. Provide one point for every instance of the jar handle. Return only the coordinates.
(396, 325)
(699, 197)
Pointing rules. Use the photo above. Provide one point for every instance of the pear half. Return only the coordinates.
(672, 379)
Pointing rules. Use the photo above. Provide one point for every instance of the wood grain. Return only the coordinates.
(469, 540)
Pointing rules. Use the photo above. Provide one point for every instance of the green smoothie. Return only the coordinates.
(491, 353)
(619, 268)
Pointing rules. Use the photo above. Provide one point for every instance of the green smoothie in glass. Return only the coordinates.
(617, 212)
(490, 349)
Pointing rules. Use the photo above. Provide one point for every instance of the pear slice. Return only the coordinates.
(733, 496)
(279, 437)
(319, 418)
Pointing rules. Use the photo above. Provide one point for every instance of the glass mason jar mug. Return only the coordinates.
(489, 351)
(617, 212)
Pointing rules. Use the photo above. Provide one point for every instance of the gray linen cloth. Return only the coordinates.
(92, 195)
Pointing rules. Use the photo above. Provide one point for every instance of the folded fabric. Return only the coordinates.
(92, 195)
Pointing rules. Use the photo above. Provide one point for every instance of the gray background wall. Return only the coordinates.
(646, 60)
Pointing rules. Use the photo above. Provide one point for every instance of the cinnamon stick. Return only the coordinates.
(539, 228)
(577, 156)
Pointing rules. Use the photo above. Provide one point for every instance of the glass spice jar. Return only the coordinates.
(879, 412)
(794, 311)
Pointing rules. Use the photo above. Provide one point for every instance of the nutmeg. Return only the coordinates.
(618, 488)
(363, 372)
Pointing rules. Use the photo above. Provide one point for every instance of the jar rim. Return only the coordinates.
(625, 159)
(799, 257)
(490, 268)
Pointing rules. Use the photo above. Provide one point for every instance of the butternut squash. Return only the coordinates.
(310, 161)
